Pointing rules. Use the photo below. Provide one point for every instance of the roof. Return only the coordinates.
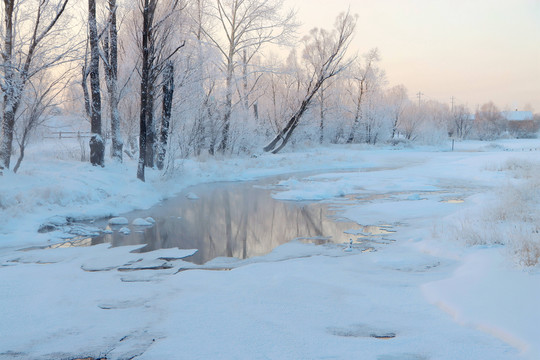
(517, 115)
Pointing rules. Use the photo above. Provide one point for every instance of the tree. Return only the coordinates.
(148, 10)
(365, 80)
(155, 41)
(110, 61)
(488, 122)
(330, 49)
(462, 123)
(168, 92)
(397, 100)
(247, 25)
(97, 146)
(39, 99)
(28, 48)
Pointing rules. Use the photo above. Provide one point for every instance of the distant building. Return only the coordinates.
(521, 123)
(517, 115)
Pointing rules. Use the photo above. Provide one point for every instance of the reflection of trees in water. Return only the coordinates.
(234, 221)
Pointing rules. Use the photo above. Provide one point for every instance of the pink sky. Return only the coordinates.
(473, 50)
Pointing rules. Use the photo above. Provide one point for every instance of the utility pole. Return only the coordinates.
(452, 101)
(419, 94)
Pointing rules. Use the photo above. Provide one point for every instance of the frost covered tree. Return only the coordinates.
(157, 47)
(397, 100)
(461, 122)
(30, 38)
(365, 79)
(110, 62)
(245, 26)
(322, 63)
(489, 122)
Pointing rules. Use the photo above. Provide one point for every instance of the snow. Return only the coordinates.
(421, 295)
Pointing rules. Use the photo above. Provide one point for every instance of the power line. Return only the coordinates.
(419, 94)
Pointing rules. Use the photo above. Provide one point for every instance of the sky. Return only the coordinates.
(473, 50)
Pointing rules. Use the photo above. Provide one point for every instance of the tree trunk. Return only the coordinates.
(21, 156)
(321, 109)
(357, 115)
(145, 75)
(228, 109)
(97, 147)
(168, 92)
(86, 95)
(285, 134)
(150, 125)
(112, 84)
(8, 121)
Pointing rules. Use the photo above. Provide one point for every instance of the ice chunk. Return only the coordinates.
(192, 196)
(141, 222)
(125, 231)
(118, 221)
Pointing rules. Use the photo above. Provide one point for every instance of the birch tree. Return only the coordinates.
(110, 61)
(28, 40)
(333, 47)
(246, 25)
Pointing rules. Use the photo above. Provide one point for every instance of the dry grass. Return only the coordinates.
(511, 219)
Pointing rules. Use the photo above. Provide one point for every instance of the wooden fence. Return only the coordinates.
(68, 135)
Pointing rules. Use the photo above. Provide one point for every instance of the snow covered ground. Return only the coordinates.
(429, 294)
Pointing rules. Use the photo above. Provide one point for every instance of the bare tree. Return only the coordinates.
(97, 146)
(40, 98)
(331, 63)
(22, 43)
(247, 25)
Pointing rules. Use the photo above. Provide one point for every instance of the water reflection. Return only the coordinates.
(234, 220)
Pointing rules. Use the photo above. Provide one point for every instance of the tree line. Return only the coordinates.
(204, 78)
